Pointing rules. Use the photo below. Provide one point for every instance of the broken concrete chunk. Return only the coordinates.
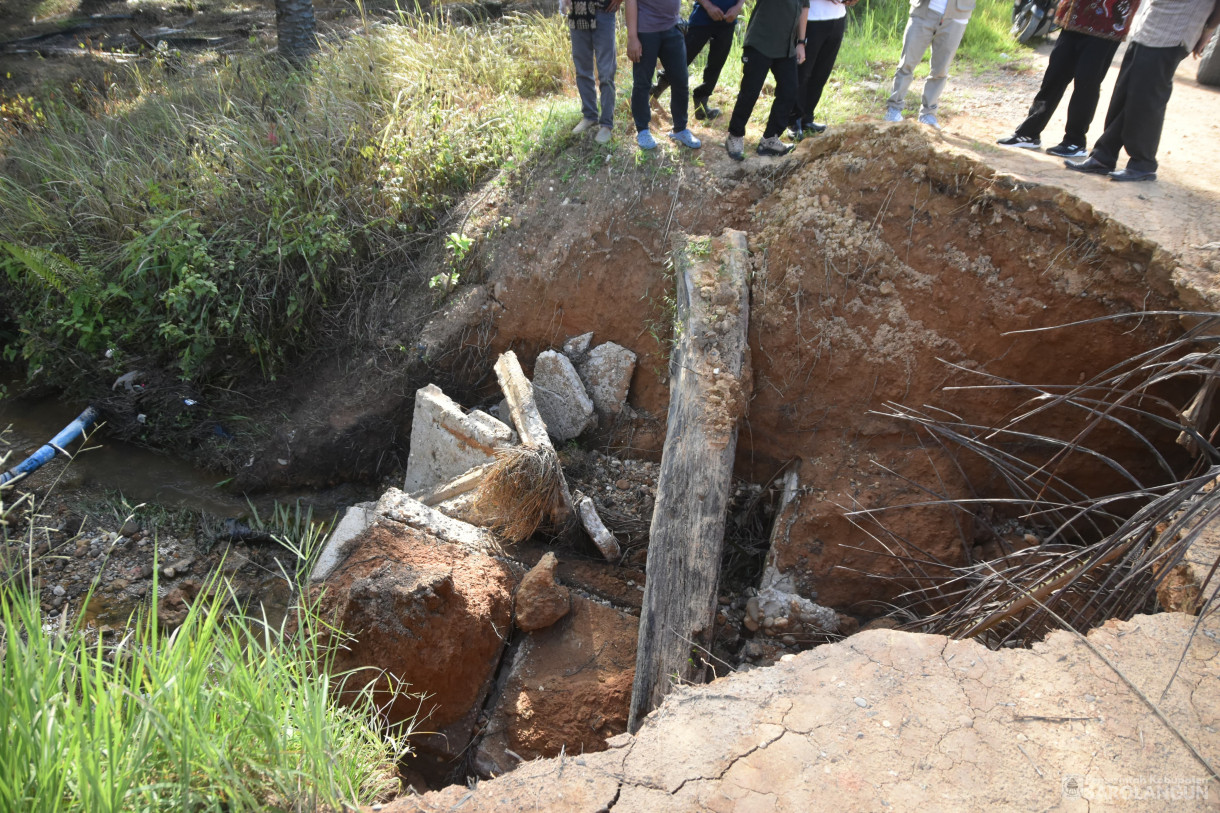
(562, 401)
(418, 613)
(576, 347)
(355, 521)
(597, 530)
(446, 442)
(399, 507)
(540, 601)
(606, 374)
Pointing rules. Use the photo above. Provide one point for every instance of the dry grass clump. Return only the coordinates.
(1098, 556)
(520, 489)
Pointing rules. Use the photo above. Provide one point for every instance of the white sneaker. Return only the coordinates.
(930, 120)
(585, 124)
(893, 114)
(604, 134)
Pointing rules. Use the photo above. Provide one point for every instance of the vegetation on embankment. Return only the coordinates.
(216, 219)
(232, 219)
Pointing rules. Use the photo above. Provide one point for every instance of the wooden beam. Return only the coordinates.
(519, 393)
(708, 393)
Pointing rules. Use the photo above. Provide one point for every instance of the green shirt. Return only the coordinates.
(773, 27)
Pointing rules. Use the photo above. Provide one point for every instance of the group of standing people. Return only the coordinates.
(1162, 33)
(797, 42)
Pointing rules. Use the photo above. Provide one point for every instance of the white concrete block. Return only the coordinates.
(606, 374)
(355, 521)
(399, 507)
(445, 441)
(562, 401)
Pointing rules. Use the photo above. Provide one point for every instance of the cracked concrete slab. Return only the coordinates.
(895, 720)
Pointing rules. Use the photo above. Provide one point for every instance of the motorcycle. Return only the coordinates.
(1032, 19)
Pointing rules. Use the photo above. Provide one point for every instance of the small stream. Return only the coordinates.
(145, 476)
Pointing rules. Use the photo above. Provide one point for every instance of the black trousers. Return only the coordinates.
(823, 38)
(720, 37)
(1137, 107)
(1080, 60)
(754, 69)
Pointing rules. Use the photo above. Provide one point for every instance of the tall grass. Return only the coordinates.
(219, 220)
(225, 713)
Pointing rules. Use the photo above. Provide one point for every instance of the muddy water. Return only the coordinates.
(142, 476)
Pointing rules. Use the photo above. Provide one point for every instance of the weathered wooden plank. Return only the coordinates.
(709, 390)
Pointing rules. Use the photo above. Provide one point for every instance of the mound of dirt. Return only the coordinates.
(877, 257)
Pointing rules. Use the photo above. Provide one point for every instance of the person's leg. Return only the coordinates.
(784, 71)
(945, 40)
(1151, 85)
(603, 44)
(824, 40)
(1060, 69)
(641, 79)
(1096, 54)
(582, 61)
(720, 44)
(754, 68)
(696, 37)
(1110, 142)
(915, 42)
(672, 53)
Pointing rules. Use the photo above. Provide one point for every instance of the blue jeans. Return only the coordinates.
(589, 47)
(670, 47)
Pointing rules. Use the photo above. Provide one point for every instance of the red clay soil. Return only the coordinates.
(877, 258)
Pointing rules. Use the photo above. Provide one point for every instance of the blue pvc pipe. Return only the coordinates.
(66, 435)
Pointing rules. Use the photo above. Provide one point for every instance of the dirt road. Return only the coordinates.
(1180, 211)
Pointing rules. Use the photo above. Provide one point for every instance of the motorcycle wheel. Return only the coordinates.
(1025, 26)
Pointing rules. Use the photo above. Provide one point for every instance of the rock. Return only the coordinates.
(562, 401)
(355, 521)
(541, 602)
(968, 729)
(447, 442)
(183, 565)
(173, 607)
(401, 508)
(58, 590)
(432, 614)
(606, 374)
(577, 347)
(567, 687)
(130, 528)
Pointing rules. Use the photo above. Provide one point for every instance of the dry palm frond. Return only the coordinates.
(519, 490)
(1099, 557)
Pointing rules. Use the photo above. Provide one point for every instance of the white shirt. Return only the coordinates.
(826, 10)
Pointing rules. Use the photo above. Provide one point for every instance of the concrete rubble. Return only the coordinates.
(606, 373)
(447, 442)
(562, 401)
(541, 602)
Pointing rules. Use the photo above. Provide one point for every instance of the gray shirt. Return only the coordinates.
(1168, 23)
(657, 15)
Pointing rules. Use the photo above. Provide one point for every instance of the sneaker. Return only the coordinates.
(773, 146)
(815, 128)
(603, 134)
(735, 146)
(1066, 150)
(1024, 142)
(893, 114)
(930, 120)
(703, 112)
(585, 124)
(687, 139)
(645, 140)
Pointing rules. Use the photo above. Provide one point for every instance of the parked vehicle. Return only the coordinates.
(1032, 19)
(1209, 64)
